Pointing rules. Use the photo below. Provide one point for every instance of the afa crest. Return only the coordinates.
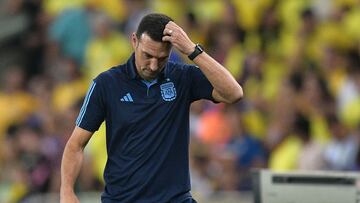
(168, 91)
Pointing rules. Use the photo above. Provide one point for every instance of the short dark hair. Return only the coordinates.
(153, 24)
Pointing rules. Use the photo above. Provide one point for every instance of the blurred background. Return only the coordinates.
(297, 60)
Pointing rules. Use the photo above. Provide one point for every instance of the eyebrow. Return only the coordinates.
(150, 55)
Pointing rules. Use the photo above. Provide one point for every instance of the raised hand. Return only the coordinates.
(178, 38)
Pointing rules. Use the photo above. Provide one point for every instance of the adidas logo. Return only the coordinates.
(127, 98)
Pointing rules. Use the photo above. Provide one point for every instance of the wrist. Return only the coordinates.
(198, 49)
(66, 190)
(191, 49)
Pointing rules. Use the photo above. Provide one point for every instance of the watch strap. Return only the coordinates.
(198, 50)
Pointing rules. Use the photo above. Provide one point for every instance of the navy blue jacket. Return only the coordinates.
(147, 130)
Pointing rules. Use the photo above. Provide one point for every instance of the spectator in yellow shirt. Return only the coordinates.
(107, 48)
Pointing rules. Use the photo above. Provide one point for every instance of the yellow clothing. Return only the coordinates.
(17, 192)
(209, 10)
(351, 114)
(14, 108)
(249, 13)
(340, 3)
(335, 78)
(268, 86)
(351, 24)
(288, 43)
(101, 54)
(252, 42)
(290, 46)
(332, 34)
(104, 53)
(97, 149)
(289, 13)
(267, 89)
(113, 8)
(175, 9)
(255, 123)
(319, 129)
(55, 7)
(285, 156)
(234, 60)
(274, 73)
(65, 95)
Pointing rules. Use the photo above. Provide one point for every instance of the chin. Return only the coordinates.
(151, 76)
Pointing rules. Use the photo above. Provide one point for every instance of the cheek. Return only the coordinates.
(141, 61)
(145, 63)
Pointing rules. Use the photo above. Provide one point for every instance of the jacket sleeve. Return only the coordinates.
(92, 112)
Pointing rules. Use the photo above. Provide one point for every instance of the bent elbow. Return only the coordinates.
(237, 96)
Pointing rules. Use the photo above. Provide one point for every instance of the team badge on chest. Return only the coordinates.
(168, 91)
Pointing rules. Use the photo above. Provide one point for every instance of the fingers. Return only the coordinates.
(166, 39)
(171, 25)
(167, 35)
(177, 37)
(168, 31)
(170, 28)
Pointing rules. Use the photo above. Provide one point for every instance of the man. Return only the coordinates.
(145, 103)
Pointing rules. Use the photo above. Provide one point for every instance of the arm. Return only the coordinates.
(226, 88)
(71, 164)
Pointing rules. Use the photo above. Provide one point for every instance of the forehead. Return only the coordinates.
(154, 48)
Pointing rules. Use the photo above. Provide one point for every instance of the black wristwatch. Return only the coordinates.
(198, 50)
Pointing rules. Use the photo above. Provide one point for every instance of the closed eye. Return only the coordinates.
(148, 56)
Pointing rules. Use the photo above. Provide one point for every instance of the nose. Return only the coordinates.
(154, 64)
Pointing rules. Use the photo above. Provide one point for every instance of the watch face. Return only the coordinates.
(198, 50)
(198, 46)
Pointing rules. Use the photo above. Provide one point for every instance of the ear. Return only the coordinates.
(134, 40)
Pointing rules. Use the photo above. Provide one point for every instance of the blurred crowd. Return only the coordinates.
(297, 60)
